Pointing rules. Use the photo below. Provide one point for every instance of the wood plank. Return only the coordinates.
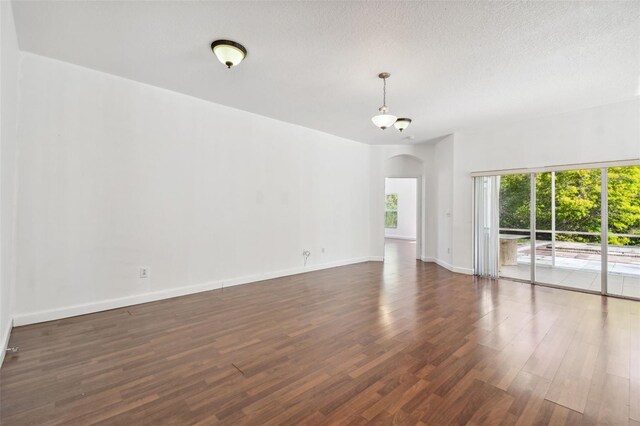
(571, 384)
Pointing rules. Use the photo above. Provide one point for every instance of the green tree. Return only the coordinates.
(543, 204)
(514, 201)
(624, 204)
(577, 203)
(391, 211)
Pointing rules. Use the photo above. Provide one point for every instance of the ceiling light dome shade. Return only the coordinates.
(402, 123)
(383, 120)
(229, 52)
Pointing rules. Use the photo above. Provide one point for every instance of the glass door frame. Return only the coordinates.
(604, 232)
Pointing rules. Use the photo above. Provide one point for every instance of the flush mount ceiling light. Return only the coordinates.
(229, 52)
(384, 119)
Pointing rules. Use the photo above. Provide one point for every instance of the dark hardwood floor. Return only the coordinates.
(403, 342)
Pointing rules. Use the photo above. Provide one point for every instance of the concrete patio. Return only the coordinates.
(578, 266)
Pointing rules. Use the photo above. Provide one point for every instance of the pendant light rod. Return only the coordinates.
(384, 76)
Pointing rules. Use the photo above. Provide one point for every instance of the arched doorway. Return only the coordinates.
(404, 184)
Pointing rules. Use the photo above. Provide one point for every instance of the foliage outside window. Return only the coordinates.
(514, 201)
(624, 204)
(391, 211)
(577, 203)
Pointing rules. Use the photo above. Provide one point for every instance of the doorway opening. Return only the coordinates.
(401, 228)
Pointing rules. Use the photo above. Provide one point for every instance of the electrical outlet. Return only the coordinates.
(144, 272)
(305, 255)
(448, 250)
(322, 250)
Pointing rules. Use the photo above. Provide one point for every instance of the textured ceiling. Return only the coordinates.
(453, 65)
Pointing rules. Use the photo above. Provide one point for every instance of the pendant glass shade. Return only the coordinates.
(402, 123)
(383, 120)
(228, 52)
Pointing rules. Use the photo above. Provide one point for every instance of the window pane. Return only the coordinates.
(624, 266)
(544, 203)
(577, 263)
(624, 200)
(392, 202)
(544, 220)
(515, 199)
(391, 214)
(578, 210)
(573, 257)
(624, 224)
(515, 217)
(391, 219)
(578, 201)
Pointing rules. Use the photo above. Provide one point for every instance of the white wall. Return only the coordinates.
(606, 133)
(443, 171)
(401, 161)
(9, 69)
(406, 188)
(115, 175)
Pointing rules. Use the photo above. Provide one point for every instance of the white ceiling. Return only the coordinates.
(453, 65)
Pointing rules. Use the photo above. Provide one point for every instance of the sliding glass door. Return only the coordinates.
(515, 221)
(568, 249)
(545, 240)
(584, 222)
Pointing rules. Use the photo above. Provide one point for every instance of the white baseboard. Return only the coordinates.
(104, 305)
(5, 340)
(400, 237)
(376, 258)
(293, 271)
(456, 269)
(445, 264)
(465, 271)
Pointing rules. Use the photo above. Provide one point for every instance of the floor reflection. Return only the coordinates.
(400, 286)
(581, 279)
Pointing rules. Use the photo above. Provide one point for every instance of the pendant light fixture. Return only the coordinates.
(229, 52)
(384, 120)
